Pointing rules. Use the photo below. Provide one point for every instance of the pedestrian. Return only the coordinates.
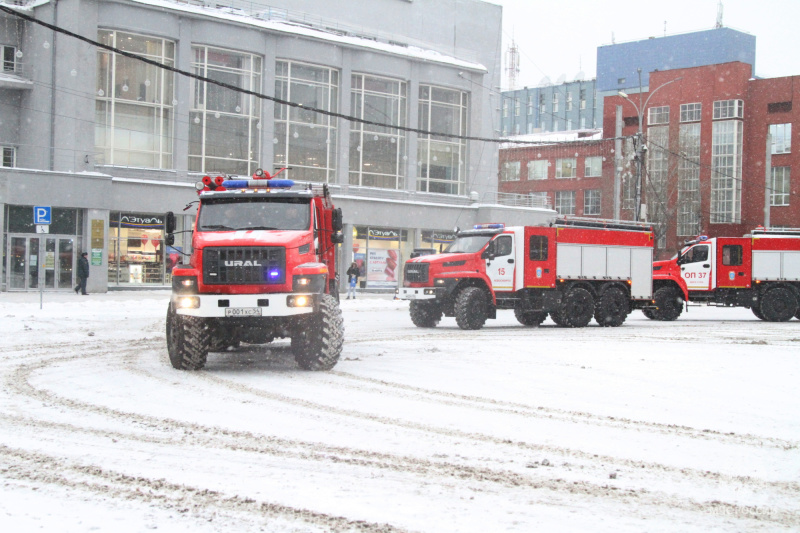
(83, 274)
(352, 279)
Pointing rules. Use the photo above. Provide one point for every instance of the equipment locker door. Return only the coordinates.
(696, 267)
(500, 265)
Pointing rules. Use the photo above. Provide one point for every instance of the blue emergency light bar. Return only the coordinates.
(258, 184)
(489, 226)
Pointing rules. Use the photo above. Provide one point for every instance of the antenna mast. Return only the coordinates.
(512, 65)
(719, 14)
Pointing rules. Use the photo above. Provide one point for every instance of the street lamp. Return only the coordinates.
(641, 148)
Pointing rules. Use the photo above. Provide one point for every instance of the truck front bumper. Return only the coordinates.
(420, 293)
(245, 305)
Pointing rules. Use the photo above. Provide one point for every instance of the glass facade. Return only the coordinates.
(378, 153)
(134, 102)
(224, 127)
(689, 180)
(136, 253)
(441, 159)
(306, 140)
(380, 254)
(726, 171)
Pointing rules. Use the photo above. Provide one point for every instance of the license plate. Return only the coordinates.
(243, 311)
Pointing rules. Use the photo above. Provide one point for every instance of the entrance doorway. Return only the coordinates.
(46, 261)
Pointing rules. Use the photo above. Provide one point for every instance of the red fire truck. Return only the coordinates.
(760, 271)
(263, 266)
(573, 270)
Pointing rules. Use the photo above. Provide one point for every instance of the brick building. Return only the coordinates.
(707, 164)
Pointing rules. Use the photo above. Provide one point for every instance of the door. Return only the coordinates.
(733, 263)
(696, 267)
(500, 262)
(48, 261)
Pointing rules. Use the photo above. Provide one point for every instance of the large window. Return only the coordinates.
(441, 160)
(591, 202)
(689, 180)
(565, 168)
(9, 57)
(136, 253)
(593, 167)
(537, 170)
(658, 115)
(224, 128)
(306, 140)
(9, 156)
(510, 171)
(691, 112)
(134, 102)
(377, 153)
(780, 186)
(565, 202)
(728, 109)
(781, 138)
(726, 171)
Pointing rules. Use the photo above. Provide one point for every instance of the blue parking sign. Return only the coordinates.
(41, 214)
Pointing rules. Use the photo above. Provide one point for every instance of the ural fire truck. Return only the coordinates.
(263, 266)
(760, 271)
(573, 270)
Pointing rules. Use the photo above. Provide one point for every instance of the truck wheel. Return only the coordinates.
(425, 314)
(669, 304)
(175, 342)
(529, 318)
(577, 308)
(757, 311)
(558, 317)
(778, 304)
(612, 308)
(197, 339)
(318, 338)
(472, 308)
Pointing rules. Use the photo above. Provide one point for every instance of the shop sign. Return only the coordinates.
(97, 256)
(132, 220)
(98, 234)
(384, 234)
(382, 268)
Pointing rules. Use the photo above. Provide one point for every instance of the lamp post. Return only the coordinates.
(641, 148)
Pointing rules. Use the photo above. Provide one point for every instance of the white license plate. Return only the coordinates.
(243, 311)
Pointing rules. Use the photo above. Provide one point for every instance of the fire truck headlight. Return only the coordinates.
(188, 302)
(439, 282)
(308, 283)
(299, 300)
(184, 284)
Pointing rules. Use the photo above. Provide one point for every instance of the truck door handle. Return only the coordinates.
(510, 260)
(706, 265)
(683, 268)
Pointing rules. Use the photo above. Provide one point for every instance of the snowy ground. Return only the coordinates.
(686, 426)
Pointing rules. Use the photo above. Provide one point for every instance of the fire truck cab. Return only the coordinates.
(760, 271)
(573, 270)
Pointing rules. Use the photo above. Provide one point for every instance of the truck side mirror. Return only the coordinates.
(170, 222)
(336, 220)
(488, 253)
(170, 239)
(337, 238)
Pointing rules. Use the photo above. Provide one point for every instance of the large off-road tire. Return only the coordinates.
(778, 304)
(649, 313)
(188, 341)
(669, 304)
(425, 314)
(526, 317)
(577, 308)
(612, 308)
(472, 308)
(318, 338)
(757, 311)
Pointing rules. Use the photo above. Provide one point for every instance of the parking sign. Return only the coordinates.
(41, 214)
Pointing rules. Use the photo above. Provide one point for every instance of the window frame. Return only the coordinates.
(560, 167)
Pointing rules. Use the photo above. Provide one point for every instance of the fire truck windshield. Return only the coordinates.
(228, 214)
(468, 244)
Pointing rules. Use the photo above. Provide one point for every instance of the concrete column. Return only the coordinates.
(98, 274)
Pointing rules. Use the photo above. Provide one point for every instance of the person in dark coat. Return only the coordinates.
(83, 273)
(352, 280)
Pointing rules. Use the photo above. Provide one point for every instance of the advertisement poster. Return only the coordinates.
(382, 268)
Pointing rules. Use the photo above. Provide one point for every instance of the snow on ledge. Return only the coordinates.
(295, 29)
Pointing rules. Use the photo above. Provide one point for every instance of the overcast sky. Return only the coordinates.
(561, 37)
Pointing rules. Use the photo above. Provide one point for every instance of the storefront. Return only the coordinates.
(136, 250)
(46, 261)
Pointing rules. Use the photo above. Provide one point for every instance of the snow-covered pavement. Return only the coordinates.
(692, 425)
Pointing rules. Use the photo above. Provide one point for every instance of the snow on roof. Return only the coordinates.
(240, 16)
(13, 79)
(554, 137)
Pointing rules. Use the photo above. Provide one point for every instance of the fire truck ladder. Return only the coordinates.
(603, 223)
(777, 231)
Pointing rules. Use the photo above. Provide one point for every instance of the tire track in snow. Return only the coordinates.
(411, 464)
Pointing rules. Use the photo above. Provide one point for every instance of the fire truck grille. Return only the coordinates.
(416, 272)
(244, 266)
